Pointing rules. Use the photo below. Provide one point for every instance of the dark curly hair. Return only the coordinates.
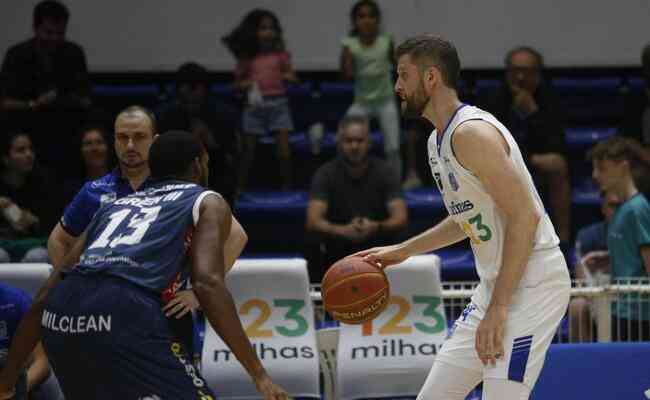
(356, 9)
(242, 41)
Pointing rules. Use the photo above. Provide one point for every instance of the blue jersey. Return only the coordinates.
(142, 237)
(91, 197)
(14, 304)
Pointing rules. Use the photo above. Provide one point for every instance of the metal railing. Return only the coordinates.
(601, 311)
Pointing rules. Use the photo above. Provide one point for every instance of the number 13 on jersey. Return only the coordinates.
(476, 231)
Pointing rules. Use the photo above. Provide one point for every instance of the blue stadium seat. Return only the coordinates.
(584, 137)
(582, 86)
(586, 195)
(337, 89)
(594, 371)
(636, 84)
(457, 265)
(118, 97)
(125, 90)
(590, 101)
(301, 89)
(484, 86)
(288, 202)
(225, 90)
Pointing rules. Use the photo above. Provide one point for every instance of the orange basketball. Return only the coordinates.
(354, 290)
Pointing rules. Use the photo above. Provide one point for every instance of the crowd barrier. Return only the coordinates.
(312, 356)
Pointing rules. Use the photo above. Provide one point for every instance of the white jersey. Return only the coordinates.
(471, 206)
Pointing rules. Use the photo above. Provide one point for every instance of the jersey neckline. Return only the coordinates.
(442, 136)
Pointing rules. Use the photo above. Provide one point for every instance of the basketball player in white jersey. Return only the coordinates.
(502, 336)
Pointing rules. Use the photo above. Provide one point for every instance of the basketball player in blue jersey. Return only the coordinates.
(101, 322)
(504, 333)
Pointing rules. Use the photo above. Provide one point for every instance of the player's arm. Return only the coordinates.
(645, 255)
(507, 187)
(39, 369)
(28, 332)
(208, 281)
(444, 234)
(59, 244)
(235, 243)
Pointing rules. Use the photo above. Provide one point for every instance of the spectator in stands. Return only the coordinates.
(636, 122)
(367, 58)
(593, 259)
(263, 67)
(356, 200)
(14, 304)
(530, 110)
(29, 201)
(46, 82)
(194, 110)
(628, 233)
(96, 159)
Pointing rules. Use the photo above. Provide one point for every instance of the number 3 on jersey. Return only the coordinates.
(484, 232)
(140, 223)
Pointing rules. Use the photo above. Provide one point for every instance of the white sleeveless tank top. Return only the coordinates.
(468, 202)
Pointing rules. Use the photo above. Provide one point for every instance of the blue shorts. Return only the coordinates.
(270, 116)
(107, 338)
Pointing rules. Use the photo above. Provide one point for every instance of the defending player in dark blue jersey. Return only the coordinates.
(102, 325)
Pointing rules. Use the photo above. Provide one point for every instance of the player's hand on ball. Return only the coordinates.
(384, 256)
(271, 391)
(184, 302)
(489, 335)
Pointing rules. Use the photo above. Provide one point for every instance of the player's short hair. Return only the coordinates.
(144, 110)
(352, 120)
(616, 148)
(430, 50)
(50, 9)
(524, 49)
(171, 155)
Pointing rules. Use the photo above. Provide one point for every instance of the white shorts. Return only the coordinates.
(533, 318)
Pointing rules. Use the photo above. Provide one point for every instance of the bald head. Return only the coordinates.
(135, 129)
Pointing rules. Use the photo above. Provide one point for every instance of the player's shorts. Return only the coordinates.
(109, 339)
(533, 318)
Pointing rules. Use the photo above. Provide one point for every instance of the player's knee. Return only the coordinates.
(503, 389)
(448, 382)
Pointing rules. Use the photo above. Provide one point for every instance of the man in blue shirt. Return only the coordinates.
(592, 256)
(14, 304)
(628, 234)
(135, 131)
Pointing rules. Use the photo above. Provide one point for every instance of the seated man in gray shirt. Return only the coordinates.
(356, 200)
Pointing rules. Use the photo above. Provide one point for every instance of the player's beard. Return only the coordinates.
(413, 106)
